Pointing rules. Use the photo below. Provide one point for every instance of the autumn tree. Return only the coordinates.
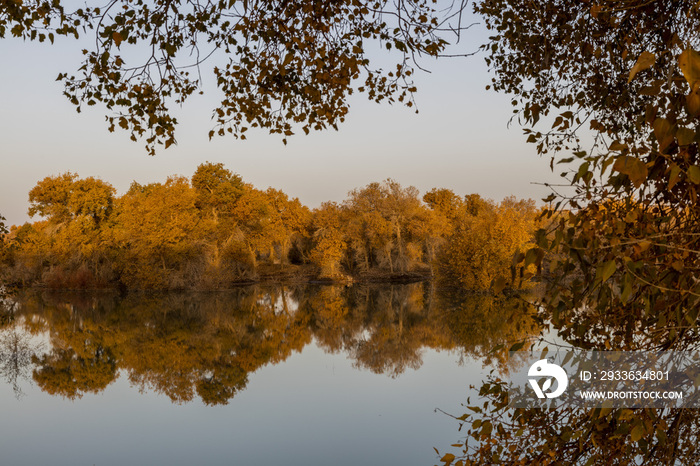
(156, 235)
(216, 230)
(217, 189)
(486, 236)
(246, 221)
(627, 239)
(445, 210)
(386, 226)
(445, 202)
(288, 225)
(329, 240)
(282, 66)
(625, 233)
(66, 197)
(629, 73)
(73, 240)
(50, 197)
(254, 215)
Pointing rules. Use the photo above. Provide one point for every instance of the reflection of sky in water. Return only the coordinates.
(17, 347)
(352, 395)
(314, 408)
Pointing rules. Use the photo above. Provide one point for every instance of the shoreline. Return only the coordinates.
(263, 279)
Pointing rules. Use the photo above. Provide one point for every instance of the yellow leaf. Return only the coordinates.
(694, 174)
(606, 271)
(685, 136)
(634, 168)
(637, 433)
(663, 131)
(689, 63)
(645, 60)
(692, 100)
(644, 245)
(117, 39)
(674, 176)
(617, 146)
(499, 284)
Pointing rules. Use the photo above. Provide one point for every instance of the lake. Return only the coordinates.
(259, 375)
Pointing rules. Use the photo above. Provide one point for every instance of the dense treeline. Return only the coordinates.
(215, 230)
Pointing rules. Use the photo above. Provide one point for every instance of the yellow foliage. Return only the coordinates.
(329, 242)
(482, 247)
(216, 230)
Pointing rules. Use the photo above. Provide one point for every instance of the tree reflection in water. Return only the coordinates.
(188, 346)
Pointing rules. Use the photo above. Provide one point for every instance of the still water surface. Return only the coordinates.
(294, 375)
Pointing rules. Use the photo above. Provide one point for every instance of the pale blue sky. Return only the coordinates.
(459, 140)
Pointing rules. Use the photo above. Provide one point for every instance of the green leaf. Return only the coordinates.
(645, 60)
